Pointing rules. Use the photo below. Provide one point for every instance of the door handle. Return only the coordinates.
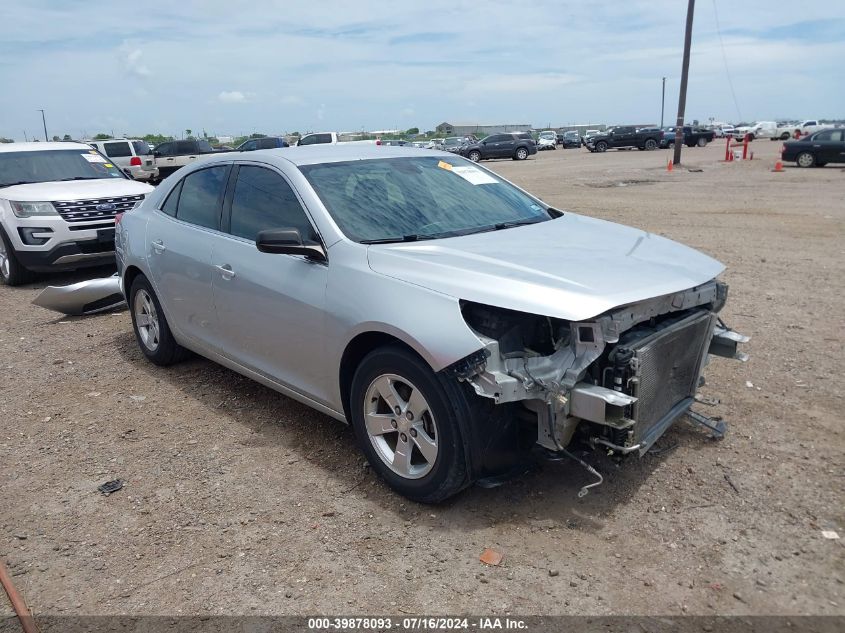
(158, 246)
(225, 271)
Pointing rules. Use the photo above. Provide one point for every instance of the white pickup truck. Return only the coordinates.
(333, 138)
(785, 132)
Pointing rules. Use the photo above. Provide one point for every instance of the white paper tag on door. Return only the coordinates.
(474, 175)
(94, 158)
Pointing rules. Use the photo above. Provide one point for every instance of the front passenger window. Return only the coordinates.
(264, 200)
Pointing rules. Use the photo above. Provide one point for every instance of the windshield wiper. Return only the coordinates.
(393, 240)
(508, 225)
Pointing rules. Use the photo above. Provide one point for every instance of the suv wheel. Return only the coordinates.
(406, 421)
(150, 325)
(650, 144)
(601, 146)
(702, 142)
(12, 272)
(474, 156)
(805, 159)
(521, 153)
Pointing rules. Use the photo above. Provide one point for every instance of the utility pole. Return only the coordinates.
(44, 121)
(662, 102)
(682, 98)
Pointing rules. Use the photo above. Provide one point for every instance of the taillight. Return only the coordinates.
(378, 141)
(135, 161)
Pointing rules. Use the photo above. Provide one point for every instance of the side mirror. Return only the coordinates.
(127, 171)
(288, 242)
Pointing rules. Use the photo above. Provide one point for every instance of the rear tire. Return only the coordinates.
(429, 411)
(12, 272)
(805, 159)
(520, 154)
(150, 325)
(474, 156)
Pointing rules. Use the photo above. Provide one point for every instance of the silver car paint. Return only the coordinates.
(73, 298)
(384, 288)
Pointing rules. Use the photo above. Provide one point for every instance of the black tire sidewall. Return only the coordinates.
(168, 350)
(798, 159)
(475, 153)
(18, 274)
(521, 153)
(601, 146)
(449, 474)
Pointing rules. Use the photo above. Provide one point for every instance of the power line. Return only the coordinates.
(725, 59)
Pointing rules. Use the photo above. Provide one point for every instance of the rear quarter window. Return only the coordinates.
(118, 149)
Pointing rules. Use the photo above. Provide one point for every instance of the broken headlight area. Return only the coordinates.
(619, 380)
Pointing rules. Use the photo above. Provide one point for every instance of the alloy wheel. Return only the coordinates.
(806, 159)
(400, 426)
(146, 320)
(4, 260)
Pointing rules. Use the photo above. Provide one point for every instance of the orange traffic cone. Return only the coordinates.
(778, 165)
(669, 165)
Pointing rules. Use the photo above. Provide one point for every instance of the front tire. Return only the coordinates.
(12, 272)
(601, 146)
(150, 325)
(520, 154)
(702, 142)
(805, 159)
(474, 156)
(406, 420)
(650, 144)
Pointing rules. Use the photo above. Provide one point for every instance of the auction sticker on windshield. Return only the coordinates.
(471, 174)
(94, 158)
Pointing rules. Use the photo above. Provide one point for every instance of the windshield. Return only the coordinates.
(548, 135)
(396, 199)
(21, 168)
(453, 141)
(141, 148)
(570, 134)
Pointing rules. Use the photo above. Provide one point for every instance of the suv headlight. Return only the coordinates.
(30, 209)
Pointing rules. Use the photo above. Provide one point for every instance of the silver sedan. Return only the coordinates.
(453, 319)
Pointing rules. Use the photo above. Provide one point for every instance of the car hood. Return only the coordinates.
(572, 268)
(74, 190)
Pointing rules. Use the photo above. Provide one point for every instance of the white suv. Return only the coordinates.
(131, 155)
(57, 207)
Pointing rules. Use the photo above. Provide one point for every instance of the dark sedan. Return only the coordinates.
(516, 145)
(818, 149)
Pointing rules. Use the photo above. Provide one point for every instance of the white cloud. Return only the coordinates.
(132, 61)
(235, 96)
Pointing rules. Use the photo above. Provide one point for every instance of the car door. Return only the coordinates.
(270, 306)
(165, 158)
(827, 146)
(622, 137)
(179, 253)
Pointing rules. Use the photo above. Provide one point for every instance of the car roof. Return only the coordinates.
(324, 153)
(41, 147)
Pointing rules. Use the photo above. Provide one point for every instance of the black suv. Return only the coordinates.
(516, 145)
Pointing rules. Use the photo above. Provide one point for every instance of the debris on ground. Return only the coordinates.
(491, 557)
(830, 534)
(110, 486)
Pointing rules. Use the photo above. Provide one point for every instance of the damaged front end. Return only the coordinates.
(620, 379)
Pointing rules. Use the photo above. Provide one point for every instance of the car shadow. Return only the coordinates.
(271, 419)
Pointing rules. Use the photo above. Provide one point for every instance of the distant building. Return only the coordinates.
(581, 128)
(479, 129)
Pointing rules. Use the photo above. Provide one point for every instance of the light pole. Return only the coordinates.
(44, 121)
(662, 102)
(682, 99)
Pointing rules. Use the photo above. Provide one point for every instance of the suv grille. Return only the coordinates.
(669, 364)
(92, 210)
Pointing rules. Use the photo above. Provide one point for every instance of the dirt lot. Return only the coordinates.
(239, 500)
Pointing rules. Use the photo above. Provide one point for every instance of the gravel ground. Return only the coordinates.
(239, 500)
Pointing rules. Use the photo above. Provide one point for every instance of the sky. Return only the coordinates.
(271, 66)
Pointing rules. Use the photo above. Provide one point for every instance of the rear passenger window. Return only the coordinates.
(117, 150)
(172, 200)
(184, 148)
(324, 138)
(264, 200)
(201, 197)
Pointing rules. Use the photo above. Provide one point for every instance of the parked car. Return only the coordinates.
(131, 155)
(515, 145)
(692, 136)
(57, 207)
(785, 130)
(451, 318)
(173, 155)
(571, 139)
(547, 140)
(762, 129)
(333, 138)
(817, 149)
(624, 136)
(265, 142)
(453, 144)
